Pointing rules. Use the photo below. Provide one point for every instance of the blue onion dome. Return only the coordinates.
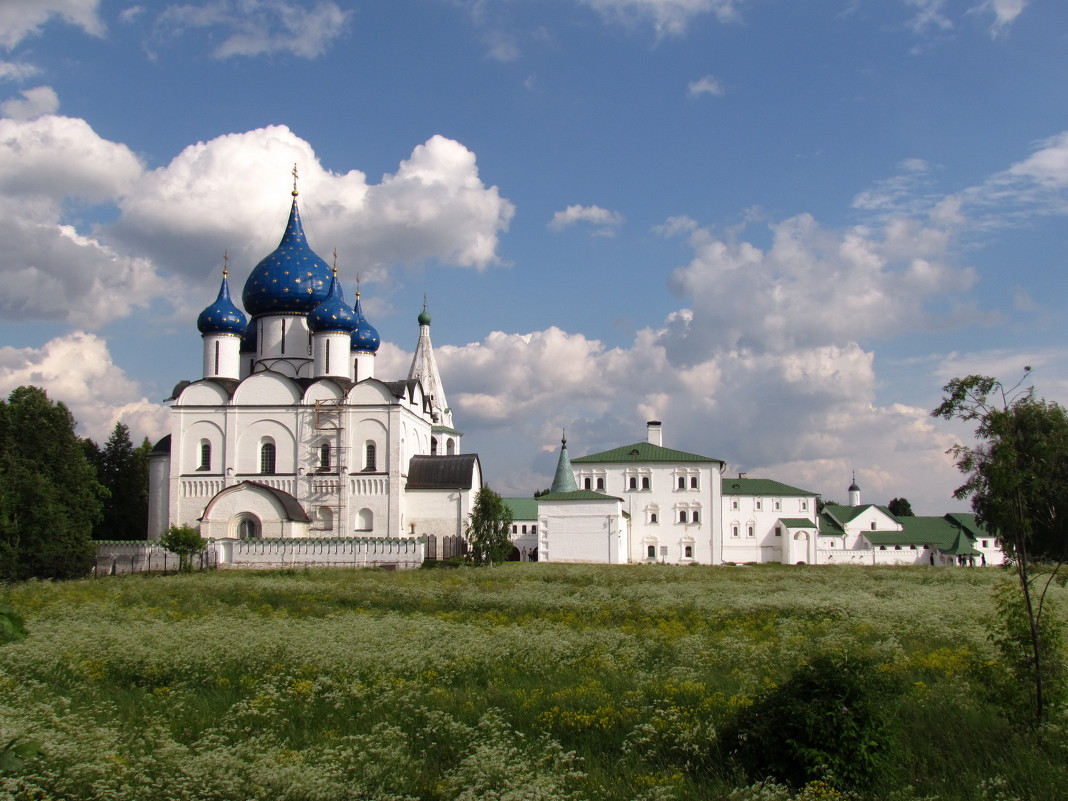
(333, 314)
(291, 279)
(365, 338)
(222, 316)
(249, 340)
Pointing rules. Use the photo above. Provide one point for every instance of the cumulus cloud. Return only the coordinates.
(22, 18)
(259, 27)
(606, 222)
(668, 17)
(707, 85)
(77, 369)
(232, 192)
(35, 102)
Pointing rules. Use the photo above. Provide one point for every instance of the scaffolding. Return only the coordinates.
(329, 424)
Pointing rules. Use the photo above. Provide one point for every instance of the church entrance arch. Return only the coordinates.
(246, 526)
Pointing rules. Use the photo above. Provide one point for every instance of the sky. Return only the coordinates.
(778, 227)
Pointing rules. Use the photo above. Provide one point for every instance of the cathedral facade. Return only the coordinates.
(290, 433)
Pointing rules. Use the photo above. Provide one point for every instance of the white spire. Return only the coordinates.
(425, 370)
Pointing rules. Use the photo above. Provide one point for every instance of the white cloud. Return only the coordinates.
(668, 17)
(232, 192)
(707, 85)
(606, 222)
(259, 27)
(930, 15)
(22, 18)
(35, 103)
(16, 70)
(1005, 13)
(77, 369)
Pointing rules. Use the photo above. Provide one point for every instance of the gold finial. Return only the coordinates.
(357, 286)
(294, 179)
(335, 262)
(226, 263)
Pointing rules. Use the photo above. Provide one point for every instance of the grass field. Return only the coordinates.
(524, 681)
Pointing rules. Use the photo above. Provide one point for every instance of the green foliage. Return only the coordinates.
(1017, 478)
(900, 507)
(122, 470)
(488, 529)
(186, 542)
(599, 682)
(49, 496)
(833, 718)
(15, 755)
(11, 625)
(1011, 633)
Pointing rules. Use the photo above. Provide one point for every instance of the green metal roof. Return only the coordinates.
(578, 495)
(943, 533)
(760, 486)
(522, 508)
(641, 452)
(797, 522)
(446, 430)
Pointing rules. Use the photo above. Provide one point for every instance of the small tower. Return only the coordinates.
(425, 369)
(331, 324)
(365, 342)
(854, 491)
(564, 480)
(222, 326)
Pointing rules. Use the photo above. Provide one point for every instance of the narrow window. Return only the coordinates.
(682, 482)
(734, 504)
(645, 482)
(585, 483)
(433, 446)
(633, 482)
(693, 482)
(533, 529)
(524, 529)
(328, 355)
(682, 516)
(778, 531)
(600, 483)
(804, 506)
(734, 531)
(688, 552)
(283, 337)
(696, 519)
(651, 552)
(984, 544)
(873, 525)
(355, 370)
(515, 529)
(267, 454)
(652, 517)
(370, 462)
(759, 504)
(216, 357)
(324, 456)
(205, 457)
(751, 532)
(778, 506)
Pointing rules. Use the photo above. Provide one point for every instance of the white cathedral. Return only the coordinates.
(289, 433)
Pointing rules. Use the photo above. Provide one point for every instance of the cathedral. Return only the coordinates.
(290, 433)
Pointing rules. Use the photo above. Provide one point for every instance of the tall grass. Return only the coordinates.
(524, 681)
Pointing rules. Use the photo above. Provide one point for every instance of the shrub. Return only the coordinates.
(833, 719)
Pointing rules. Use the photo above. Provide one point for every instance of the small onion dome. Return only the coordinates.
(291, 279)
(853, 487)
(424, 317)
(333, 314)
(365, 337)
(248, 341)
(222, 316)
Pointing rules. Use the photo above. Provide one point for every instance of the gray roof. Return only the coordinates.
(443, 472)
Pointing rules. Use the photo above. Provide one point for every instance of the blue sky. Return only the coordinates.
(779, 227)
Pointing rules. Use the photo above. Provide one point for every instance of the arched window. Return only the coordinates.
(365, 520)
(696, 517)
(652, 517)
(533, 529)
(324, 456)
(433, 446)
(600, 483)
(248, 528)
(682, 482)
(682, 515)
(585, 483)
(651, 552)
(216, 370)
(524, 529)
(687, 552)
(267, 458)
(693, 482)
(205, 455)
(370, 461)
(633, 483)
(645, 482)
(450, 447)
(328, 355)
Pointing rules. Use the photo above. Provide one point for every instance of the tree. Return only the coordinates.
(185, 542)
(1017, 478)
(900, 507)
(488, 528)
(49, 495)
(123, 471)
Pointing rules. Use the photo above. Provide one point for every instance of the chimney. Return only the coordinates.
(655, 434)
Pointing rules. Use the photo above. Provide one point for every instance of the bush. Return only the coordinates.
(833, 719)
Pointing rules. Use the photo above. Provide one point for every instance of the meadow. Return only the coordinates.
(523, 681)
